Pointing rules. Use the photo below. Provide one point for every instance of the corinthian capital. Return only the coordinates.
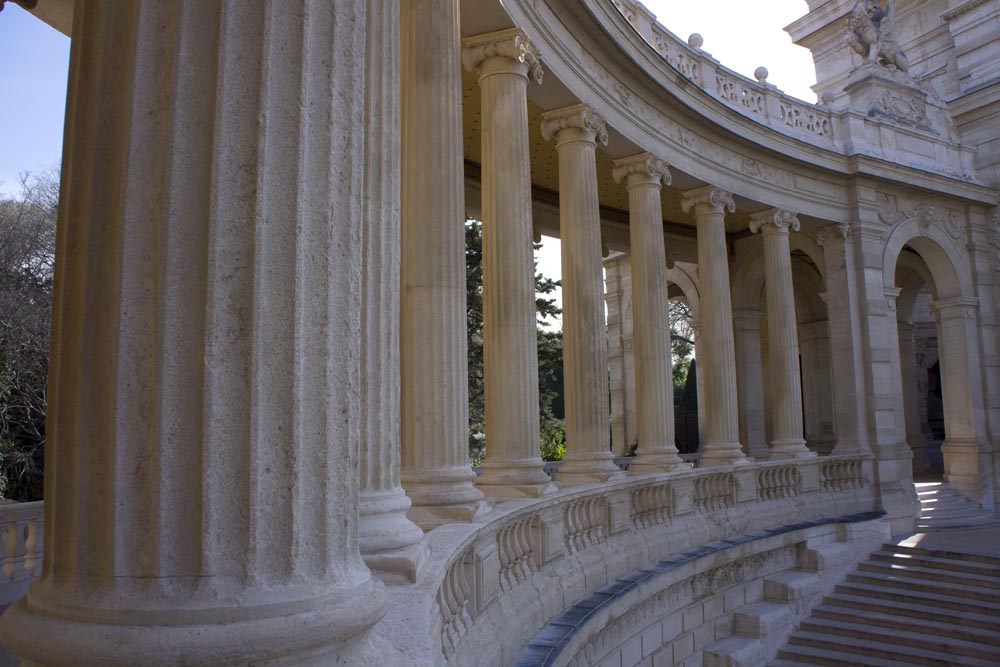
(644, 167)
(718, 199)
(578, 116)
(511, 43)
(778, 218)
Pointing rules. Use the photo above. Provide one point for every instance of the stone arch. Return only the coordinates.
(685, 278)
(947, 264)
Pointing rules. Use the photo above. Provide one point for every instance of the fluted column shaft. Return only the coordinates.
(657, 450)
(585, 358)
(716, 352)
(783, 337)
(750, 381)
(513, 466)
(390, 543)
(201, 464)
(434, 379)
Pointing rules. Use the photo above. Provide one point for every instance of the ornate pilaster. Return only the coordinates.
(783, 339)
(716, 351)
(657, 451)
(588, 458)
(203, 425)
(513, 468)
(750, 381)
(391, 544)
(433, 363)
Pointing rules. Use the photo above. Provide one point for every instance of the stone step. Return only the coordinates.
(920, 610)
(798, 655)
(919, 572)
(911, 584)
(938, 564)
(950, 512)
(902, 637)
(941, 524)
(943, 602)
(876, 649)
(938, 553)
(892, 617)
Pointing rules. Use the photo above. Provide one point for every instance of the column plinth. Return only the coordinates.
(434, 379)
(716, 349)
(783, 337)
(201, 463)
(657, 451)
(588, 458)
(513, 468)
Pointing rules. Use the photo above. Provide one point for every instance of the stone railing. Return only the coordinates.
(496, 581)
(21, 526)
(757, 100)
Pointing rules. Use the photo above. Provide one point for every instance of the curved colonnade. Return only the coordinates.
(226, 455)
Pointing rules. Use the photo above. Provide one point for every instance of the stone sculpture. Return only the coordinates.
(871, 35)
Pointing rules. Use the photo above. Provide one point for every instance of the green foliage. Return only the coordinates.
(27, 257)
(550, 392)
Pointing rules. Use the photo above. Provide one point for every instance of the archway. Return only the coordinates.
(919, 256)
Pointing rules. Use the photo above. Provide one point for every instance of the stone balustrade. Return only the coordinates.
(21, 527)
(494, 582)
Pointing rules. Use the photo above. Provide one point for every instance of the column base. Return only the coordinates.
(334, 629)
(588, 469)
(723, 454)
(444, 496)
(790, 449)
(391, 545)
(514, 479)
(654, 462)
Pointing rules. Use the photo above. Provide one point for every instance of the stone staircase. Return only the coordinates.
(905, 606)
(942, 507)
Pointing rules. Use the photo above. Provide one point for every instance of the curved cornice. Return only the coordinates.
(593, 50)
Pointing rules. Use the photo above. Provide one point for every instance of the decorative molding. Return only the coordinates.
(709, 195)
(955, 307)
(778, 218)
(644, 164)
(962, 9)
(579, 116)
(512, 43)
(923, 214)
(841, 230)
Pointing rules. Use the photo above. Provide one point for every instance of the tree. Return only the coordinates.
(553, 434)
(27, 261)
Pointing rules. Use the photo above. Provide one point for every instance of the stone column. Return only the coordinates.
(588, 457)
(433, 360)
(503, 61)
(817, 401)
(203, 426)
(391, 544)
(965, 467)
(750, 381)
(621, 357)
(846, 340)
(783, 338)
(908, 370)
(716, 352)
(657, 450)
(699, 378)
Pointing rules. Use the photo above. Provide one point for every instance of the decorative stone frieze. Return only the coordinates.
(657, 451)
(576, 130)
(783, 338)
(716, 349)
(513, 467)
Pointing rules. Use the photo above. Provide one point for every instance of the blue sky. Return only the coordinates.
(34, 63)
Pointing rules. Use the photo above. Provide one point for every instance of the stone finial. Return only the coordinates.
(761, 74)
(709, 195)
(644, 164)
(779, 218)
(579, 116)
(512, 43)
(695, 40)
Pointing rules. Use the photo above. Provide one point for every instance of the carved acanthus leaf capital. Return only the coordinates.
(840, 230)
(511, 43)
(645, 165)
(579, 116)
(709, 195)
(778, 218)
